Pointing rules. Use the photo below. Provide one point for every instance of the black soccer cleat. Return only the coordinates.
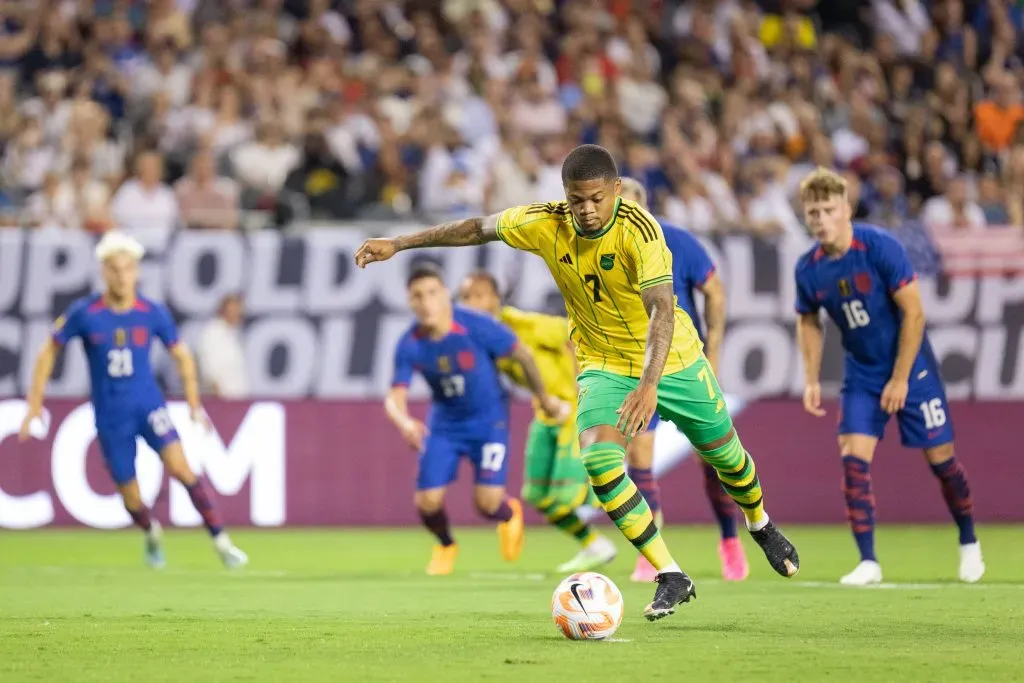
(674, 588)
(781, 554)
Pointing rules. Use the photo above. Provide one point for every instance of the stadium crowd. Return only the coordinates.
(229, 114)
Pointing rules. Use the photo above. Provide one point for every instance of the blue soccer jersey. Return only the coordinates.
(126, 396)
(469, 407)
(691, 268)
(857, 291)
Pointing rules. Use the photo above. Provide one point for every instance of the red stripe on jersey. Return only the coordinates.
(857, 245)
(906, 281)
(707, 275)
(458, 329)
(97, 306)
(141, 306)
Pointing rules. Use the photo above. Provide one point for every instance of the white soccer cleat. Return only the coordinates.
(867, 573)
(600, 552)
(230, 554)
(154, 539)
(972, 566)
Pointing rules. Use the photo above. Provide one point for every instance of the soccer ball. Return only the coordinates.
(587, 606)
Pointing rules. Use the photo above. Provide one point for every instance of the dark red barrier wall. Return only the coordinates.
(345, 465)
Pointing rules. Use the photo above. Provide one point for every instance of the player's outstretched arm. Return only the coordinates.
(461, 233)
(396, 406)
(37, 392)
(714, 316)
(552, 407)
(639, 406)
(810, 336)
(186, 365)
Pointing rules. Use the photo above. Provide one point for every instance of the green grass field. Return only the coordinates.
(347, 605)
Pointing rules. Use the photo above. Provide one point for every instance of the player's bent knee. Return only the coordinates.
(717, 443)
(937, 455)
(601, 434)
(860, 446)
(176, 465)
(429, 501)
(488, 499)
(130, 495)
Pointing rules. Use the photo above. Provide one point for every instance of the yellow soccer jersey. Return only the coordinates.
(547, 337)
(601, 277)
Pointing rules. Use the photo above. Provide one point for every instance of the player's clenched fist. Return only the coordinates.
(812, 400)
(414, 433)
(377, 249)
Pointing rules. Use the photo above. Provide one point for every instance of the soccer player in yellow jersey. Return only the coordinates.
(556, 482)
(637, 351)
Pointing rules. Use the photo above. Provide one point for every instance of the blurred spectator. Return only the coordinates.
(905, 20)
(220, 352)
(263, 164)
(888, 206)
(145, 201)
(88, 198)
(164, 73)
(207, 201)
(44, 208)
(953, 210)
(997, 119)
(322, 179)
(991, 200)
(27, 158)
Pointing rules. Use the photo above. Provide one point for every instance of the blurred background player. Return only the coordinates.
(117, 329)
(555, 482)
(861, 276)
(455, 351)
(692, 269)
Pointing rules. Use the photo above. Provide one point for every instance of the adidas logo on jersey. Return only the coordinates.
(567, 260)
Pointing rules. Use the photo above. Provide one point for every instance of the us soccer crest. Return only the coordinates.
(140, 335)
(607, 261)
(862, 281)
(120, 337)
(466, 359)
(844, 287)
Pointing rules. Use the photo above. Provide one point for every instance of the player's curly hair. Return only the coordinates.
(589, 162)
(822, 184)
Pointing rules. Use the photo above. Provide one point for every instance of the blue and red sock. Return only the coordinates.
(141, 517)
(204, 506)
(722, 504)
(955, 490)
(645, 482)
(502, 514)
(860, 504)
(437, 524)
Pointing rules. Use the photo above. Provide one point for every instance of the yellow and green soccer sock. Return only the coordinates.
(563, 514)
(625, 505)
(738, 475)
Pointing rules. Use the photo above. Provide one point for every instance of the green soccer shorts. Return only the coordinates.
(691, 399)
(554, 469)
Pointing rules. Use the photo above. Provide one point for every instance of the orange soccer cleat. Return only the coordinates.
(442, 560)
(512, 533)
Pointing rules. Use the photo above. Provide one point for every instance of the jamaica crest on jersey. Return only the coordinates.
(607, 261)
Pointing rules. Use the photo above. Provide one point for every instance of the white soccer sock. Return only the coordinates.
(759, 524)
(674, 567)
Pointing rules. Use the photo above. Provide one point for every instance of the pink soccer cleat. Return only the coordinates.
(734, 561)
(644, 572)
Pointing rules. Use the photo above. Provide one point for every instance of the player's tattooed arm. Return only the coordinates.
(460, 233)
(659, 304)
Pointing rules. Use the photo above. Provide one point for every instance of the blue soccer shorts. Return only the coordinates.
(443, 451)
(925, 421)
(118, 431)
